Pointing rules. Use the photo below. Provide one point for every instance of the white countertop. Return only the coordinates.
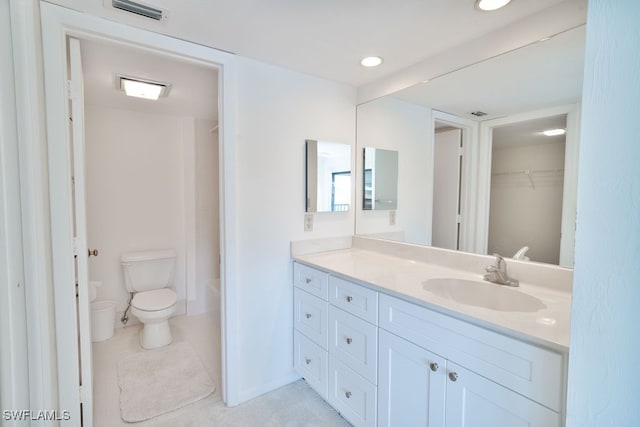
(404, 278)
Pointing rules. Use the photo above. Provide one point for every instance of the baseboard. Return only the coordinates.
(266, 388)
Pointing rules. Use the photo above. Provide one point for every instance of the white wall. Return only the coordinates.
(207, 215)
(397, 125)
(604, 373)
(135, 192)
(14, 368)
(277, 110)
(521, 214)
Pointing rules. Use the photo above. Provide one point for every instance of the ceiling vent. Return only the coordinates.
(139, 9)
(478, 113)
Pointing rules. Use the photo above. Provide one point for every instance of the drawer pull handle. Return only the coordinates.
(348, 395)
(308, 315)
(308, 279)
(349, 298)
(307, 361)
(453, 376)
(349, 340)
(433, 366)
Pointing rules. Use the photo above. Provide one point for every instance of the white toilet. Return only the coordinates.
(149, 275)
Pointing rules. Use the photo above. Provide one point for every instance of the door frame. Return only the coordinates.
(58, 23)
(570, 183)
(470, 132)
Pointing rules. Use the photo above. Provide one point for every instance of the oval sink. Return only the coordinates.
(484, 294)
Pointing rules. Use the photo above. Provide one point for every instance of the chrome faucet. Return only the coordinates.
(498, 273)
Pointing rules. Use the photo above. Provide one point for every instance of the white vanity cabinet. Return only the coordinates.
(336, 342)
(383, 361)
(439, 371)
(353, 351)
(310, 320)
(412, 384)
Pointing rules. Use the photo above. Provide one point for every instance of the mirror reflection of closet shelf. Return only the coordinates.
(328, 176)
(549, 174)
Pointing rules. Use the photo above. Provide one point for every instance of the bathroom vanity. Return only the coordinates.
(392, 334)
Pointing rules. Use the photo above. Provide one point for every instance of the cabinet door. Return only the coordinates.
(351, 395)
(411, 384)
(473, 400)
(354, 299)
(314, 281)
(310, 317)
(311, 362)
(354, 342)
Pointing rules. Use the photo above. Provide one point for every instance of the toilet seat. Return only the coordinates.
(156, 300)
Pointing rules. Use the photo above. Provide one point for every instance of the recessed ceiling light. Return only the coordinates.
(489, 5)
(371, 61)
(140, 88)
(554, 132)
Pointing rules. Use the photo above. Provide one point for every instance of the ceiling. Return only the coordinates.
(194, 87)
(325, 38)
(543, 74)
(528, 133)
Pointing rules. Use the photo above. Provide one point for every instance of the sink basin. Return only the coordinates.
(484, 294)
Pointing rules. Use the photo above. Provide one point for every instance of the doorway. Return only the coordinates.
(539, 184)
(151, 183)
(527, 178)
(57, 24)
(454, 143)
(447, 183)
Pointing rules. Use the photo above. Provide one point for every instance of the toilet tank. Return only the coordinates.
(148, 270)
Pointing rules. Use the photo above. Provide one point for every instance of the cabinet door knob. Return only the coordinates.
(307, 279)
(433, 366)
(349, 340)
(307, 361)
(348, 395)
(308, 315)
(349, 298)
(453, 376)
(93, 252)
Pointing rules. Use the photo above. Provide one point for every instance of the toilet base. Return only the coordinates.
(154, 335)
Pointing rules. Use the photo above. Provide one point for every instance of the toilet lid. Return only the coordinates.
(155, 300)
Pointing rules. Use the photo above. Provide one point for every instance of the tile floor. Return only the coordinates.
(292, 405)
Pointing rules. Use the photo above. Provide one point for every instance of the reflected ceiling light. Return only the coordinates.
(554, 132)
(489, 5)
(371, 61)
(141, 88)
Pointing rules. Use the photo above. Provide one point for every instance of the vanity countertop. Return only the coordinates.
(404, 278)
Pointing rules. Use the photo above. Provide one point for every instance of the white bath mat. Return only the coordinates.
(158, 381)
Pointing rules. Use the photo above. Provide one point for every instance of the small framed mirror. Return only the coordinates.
(328, 175)
(380, 181)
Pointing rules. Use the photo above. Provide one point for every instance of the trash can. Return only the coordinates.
(103, 320)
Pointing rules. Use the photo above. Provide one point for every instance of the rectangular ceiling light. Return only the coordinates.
(146, 89)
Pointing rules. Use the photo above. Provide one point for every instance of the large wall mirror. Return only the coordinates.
(476, 172)
(328, 176)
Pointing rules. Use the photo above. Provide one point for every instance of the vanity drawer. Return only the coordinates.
(310, 316)
(354, 299)
(532, 371)
(354, 342)
(311, 362)
(314, 281)
(351, 395)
